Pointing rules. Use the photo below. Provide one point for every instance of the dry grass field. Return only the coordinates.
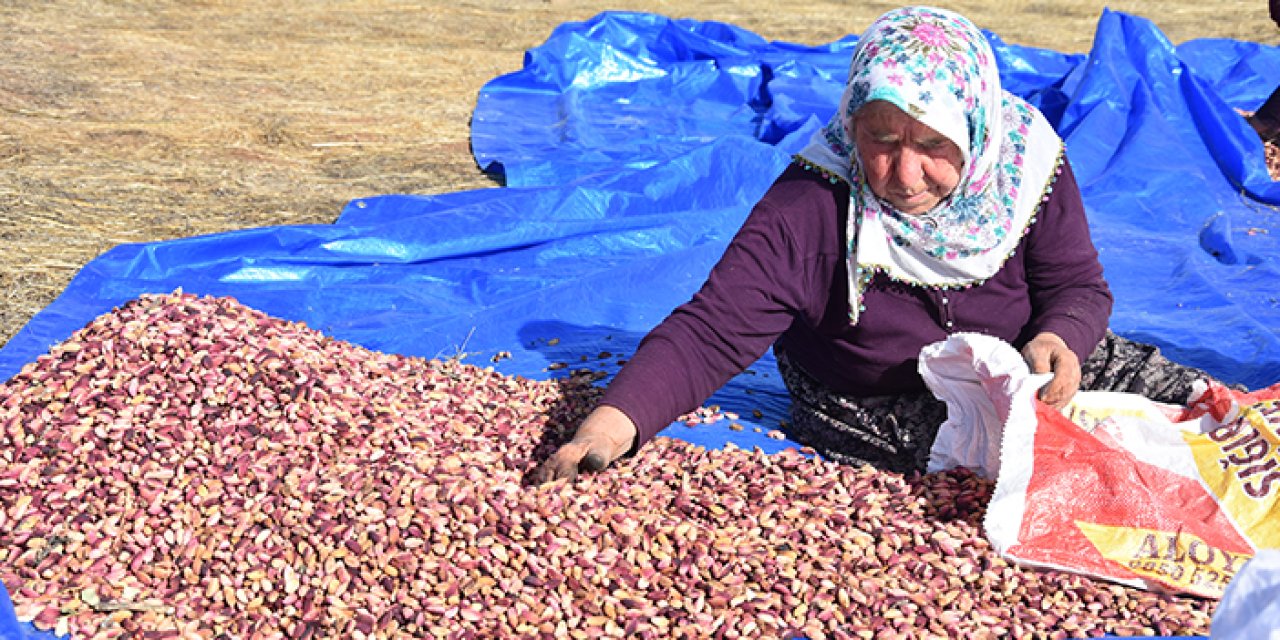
(142, 120)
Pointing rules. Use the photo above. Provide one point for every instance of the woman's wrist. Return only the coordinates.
(608, 426)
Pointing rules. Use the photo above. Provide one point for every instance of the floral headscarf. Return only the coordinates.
(938, 67)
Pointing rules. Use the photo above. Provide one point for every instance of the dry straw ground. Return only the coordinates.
(142, 120)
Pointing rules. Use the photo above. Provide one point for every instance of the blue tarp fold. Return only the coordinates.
(633, 145)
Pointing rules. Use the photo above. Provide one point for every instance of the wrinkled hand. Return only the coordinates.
(1047, 353)
(606, 435)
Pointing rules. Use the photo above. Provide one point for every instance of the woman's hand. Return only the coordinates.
(1047, 353)
(603, 437)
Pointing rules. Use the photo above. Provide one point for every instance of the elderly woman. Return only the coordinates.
(933, 202)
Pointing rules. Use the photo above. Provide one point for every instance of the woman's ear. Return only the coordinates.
(851, 125)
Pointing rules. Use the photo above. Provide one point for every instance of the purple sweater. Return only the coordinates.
(782, 282)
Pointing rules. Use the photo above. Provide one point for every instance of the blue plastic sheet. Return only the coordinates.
(633, 145)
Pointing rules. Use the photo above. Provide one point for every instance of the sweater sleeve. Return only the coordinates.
(747, 301)
(1069, 295)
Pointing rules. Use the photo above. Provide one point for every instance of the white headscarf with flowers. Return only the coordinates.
(938, 67)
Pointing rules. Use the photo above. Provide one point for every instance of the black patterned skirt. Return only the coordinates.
(895, 433)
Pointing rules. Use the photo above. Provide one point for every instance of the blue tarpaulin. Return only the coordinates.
(633, 145)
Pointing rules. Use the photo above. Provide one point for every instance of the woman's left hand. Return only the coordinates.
(1047, 353)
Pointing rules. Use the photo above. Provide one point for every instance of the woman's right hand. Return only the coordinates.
(606, 435)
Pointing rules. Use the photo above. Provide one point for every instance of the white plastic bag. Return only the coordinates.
(1164, 497)
(1250, 608)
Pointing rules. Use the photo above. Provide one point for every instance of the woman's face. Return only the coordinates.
(906, 164)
